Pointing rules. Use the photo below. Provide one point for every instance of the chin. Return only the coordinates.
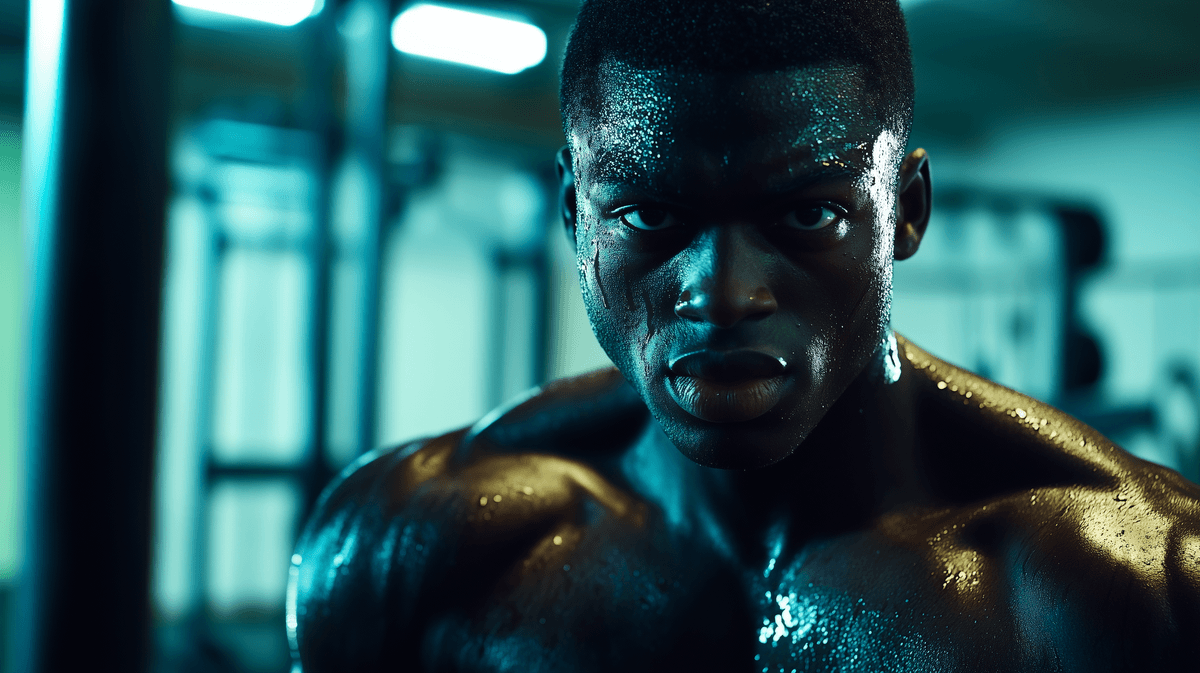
(747, 445)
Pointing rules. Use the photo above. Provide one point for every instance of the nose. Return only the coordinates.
(727, 279)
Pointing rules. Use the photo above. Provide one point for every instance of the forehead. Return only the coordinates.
(648, 123)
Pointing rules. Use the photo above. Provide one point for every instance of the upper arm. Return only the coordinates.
(1115, 585)
(1183, 583)
(363, 561)
(404, 538)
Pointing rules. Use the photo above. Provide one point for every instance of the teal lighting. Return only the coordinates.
(278, 12)
(505, 45)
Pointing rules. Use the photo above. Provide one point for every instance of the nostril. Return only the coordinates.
(754, 305)
(762, 302)
(691, 305)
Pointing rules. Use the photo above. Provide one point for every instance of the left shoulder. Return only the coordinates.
(1097, 551)
(1110, 574)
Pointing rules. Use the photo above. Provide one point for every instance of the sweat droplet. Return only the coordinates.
(557, 539)
(497, 498)
(483, 501)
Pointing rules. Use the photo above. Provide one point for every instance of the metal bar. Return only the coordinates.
(318, 105)
(368, 55)
(253, 471)
(215, 245)
(95, 185)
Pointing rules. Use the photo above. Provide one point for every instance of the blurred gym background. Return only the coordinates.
(362, 247)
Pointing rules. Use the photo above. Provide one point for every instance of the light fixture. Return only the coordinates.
(278, 12)
(469, 38)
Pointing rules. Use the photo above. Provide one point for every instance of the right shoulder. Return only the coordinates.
(583, 417)
(342, 601)
(402, 522)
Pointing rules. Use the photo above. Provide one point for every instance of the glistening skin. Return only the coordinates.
(879, 509)
(735, 245)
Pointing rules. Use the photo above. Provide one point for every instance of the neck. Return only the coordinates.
(858, 463)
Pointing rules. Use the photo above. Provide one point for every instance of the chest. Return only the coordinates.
(666, 602)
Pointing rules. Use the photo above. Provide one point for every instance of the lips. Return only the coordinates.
(727, 386)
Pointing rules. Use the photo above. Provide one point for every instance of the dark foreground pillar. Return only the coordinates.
(95, 186)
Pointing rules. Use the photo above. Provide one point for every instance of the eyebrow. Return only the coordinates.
(808, 156)
(830, 171)
(820, 171)
(616, 161)
(647, 192)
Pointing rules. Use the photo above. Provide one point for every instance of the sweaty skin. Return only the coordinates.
(770, 480)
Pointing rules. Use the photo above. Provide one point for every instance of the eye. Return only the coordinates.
(649, 219)
(811, 218)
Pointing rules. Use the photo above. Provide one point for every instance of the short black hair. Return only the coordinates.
(742, 35)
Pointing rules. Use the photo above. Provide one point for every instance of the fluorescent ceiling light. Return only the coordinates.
(278, 12)
(470, 38)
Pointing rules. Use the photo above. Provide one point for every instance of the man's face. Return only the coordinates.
(734, 237)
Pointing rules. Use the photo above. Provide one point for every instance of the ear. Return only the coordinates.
(566, 191)
(912, 208)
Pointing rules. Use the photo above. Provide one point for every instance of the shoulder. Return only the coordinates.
(397, 536)
(980, 440)
(343, 601)
(587, 416)
(1098, 552)
(1104, 575)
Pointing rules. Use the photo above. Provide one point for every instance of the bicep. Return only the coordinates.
(397, 544)
(362, 567)
(1183, 589)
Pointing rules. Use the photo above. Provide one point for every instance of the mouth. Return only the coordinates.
(727, 386)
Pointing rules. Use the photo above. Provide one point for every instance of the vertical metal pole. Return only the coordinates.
(368, 53)
(95, 186)
(318, 107)
(214, 248)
